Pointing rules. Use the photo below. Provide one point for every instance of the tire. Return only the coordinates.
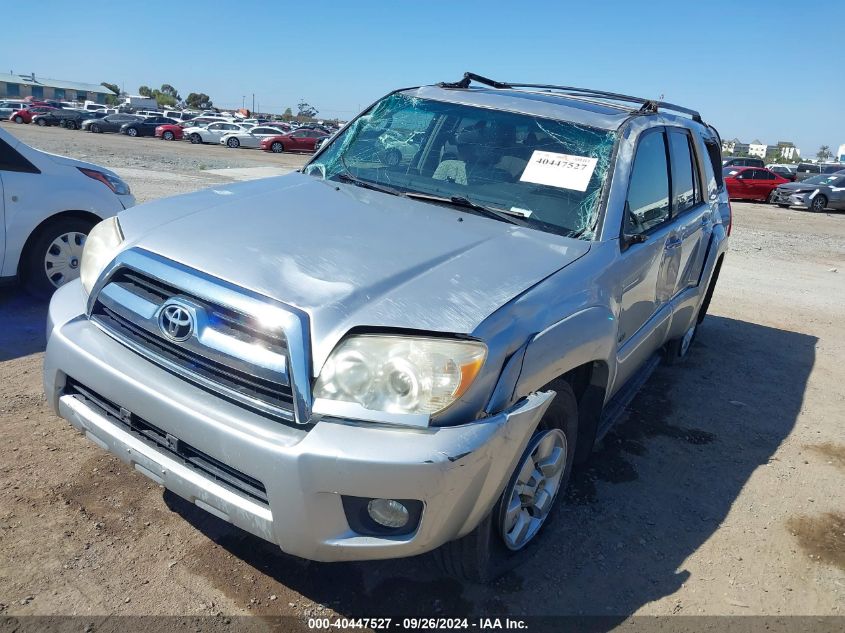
(770, 199)
(233, 143)
(168, 136)
(18, 119)
(71, 125)
(95, 129)
(277, 148)
(131, 132)
(41, 122)
(196, 139)
(819, 203)
(783, 206)
(489, 550)
(57, 242)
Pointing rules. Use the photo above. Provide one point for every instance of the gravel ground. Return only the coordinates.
(720, 493)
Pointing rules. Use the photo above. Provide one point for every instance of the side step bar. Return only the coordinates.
(614, 409)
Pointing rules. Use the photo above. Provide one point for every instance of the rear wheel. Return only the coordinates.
(233, 143)
(819, 203)
(527, 502)
(55, 255)
(277, 147)
(168, 135)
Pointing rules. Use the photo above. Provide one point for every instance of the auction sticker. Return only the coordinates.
(559, 170)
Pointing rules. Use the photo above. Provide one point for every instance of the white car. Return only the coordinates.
(249, 138)
(48, 204)
(213, 132)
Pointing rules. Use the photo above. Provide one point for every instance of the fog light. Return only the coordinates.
(388, 513)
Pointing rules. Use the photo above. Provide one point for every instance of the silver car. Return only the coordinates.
(249, 138)
(387, 358)
(817, 193)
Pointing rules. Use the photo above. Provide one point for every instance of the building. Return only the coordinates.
(735, 147)
(756, 148)
(782, 150)
(840, 153)
(13, 86)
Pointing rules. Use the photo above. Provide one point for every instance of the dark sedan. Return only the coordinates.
(147, 127)
(817, 193)
(109, 123)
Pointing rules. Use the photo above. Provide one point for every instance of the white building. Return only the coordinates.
(840, 153)
(756, 148)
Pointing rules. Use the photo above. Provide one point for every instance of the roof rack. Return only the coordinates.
(647, 106)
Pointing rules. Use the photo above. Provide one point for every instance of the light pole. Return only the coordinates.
(243, 102)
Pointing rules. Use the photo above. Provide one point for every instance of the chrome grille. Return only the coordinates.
(229, 353)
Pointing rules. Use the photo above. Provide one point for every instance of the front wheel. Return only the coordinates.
(95, 129)
(55, 256)
(818, 204)
(18, 120)
(196, 139)
(783, 206)
(41, 122)
(233, 143)
(771, 198)
(528, 501)
(132, 132)
(168, 136)
(277, 147)
(71, 125)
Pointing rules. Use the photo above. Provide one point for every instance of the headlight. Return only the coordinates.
(109, 180)
(100, 248)
(400, 374)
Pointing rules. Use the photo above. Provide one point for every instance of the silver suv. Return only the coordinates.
(406, 346)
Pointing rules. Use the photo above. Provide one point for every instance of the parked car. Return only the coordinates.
(751, 183)
(175, 131)
(24, 115)
(743, 162)
(48, 204)
(8, 107)
(393, 359)
(144, 127)
(213, 132)
(815, 193)
(71, 119)
(109, 123)
(806, 170)
(784, 171)
(301, 140)
(248, 138)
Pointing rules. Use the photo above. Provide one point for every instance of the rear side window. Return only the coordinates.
(685, 187)
(11, 160)
(714, 152)
(648, 191)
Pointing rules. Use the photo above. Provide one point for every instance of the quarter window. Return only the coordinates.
(11, 160)
(648, 191)
(684, 174)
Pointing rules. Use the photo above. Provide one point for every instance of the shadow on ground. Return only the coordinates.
(659, 486)
(23, 322)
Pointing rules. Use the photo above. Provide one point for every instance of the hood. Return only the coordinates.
(349, 256)
(72, 162)
(798, 186)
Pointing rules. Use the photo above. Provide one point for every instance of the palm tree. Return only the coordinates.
(824, 153)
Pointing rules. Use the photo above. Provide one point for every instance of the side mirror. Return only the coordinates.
(629, 239)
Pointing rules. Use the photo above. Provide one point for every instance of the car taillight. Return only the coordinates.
(730, 218)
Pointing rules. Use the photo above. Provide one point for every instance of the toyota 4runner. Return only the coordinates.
(407, 345)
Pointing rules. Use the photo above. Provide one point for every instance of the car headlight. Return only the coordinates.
(100, 248)
(109, 180)
(400, 374)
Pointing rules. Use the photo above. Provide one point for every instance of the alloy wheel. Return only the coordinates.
(64, 257)
(529, 497)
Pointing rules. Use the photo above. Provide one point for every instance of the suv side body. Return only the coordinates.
(567, 323)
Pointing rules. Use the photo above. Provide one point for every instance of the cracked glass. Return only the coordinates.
(541, 173)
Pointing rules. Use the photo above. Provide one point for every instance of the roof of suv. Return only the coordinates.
(597, 109)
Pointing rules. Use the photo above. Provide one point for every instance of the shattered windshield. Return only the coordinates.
(543, 173)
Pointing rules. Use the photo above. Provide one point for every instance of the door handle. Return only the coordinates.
(705, 221)
(672, 243)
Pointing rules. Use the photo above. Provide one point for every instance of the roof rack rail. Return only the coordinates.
(646, 105)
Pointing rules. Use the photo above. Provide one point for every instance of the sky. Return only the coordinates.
(755, 70)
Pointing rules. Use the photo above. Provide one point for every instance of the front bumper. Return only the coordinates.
(793, 199)
(457, 472)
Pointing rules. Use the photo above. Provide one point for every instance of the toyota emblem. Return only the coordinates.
(176, 322)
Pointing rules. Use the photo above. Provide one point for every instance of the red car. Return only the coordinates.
(173, 131)
(751, 183)
(296, 141)
(25, 115)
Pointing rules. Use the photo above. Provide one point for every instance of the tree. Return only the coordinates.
(305, 110)
(287, 115)
(111, 99)
(170, 91)
(824, 153)
(199, 100)
(145, 91)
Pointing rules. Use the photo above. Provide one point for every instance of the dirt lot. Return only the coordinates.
(721, 493)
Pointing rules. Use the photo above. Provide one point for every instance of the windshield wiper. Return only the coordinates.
(460, 201)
